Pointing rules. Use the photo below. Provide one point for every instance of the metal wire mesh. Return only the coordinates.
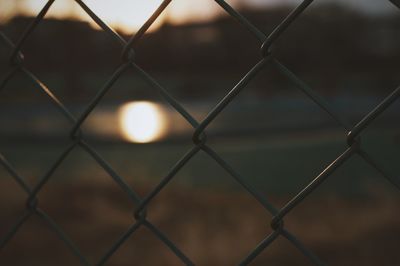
(16, 65)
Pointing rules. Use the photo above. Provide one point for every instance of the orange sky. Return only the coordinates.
(127, 15)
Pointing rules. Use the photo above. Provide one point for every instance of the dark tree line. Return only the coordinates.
(331, 47)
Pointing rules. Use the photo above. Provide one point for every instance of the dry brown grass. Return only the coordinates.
(212, 228)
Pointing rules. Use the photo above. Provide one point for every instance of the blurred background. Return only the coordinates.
(272, 134)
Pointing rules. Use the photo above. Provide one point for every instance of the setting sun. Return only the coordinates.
(142, 122)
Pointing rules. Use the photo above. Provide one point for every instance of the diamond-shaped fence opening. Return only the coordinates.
(142, 200)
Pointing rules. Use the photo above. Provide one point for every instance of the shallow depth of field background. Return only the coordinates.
(272, 134)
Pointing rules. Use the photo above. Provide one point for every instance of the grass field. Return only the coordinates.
(212, 228)
(352, 219)
(276, 164)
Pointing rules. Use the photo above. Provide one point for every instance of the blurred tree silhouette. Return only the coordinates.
(333, 47)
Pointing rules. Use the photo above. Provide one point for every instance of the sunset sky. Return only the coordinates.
(129, 15)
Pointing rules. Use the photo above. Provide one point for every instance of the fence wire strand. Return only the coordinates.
(139, 204)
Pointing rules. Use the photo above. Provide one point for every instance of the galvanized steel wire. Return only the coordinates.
(127, 63)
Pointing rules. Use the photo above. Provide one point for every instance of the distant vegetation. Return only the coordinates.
(332, 48)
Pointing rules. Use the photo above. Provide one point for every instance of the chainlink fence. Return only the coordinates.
(267, 59)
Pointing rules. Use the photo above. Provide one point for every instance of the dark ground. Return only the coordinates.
(212, 228)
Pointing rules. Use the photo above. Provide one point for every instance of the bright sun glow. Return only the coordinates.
(142, 121)
(126, 15)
